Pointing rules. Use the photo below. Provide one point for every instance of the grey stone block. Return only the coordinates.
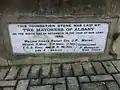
(23, 72)
(117, 65)
(93, 86)
(7, 83)
(109, 67)
(112, 86)
(12, 73)
(117, 77)
(46, 71)
(99, 68)
(67, 71)
(22, 85)
(60, 87)
(77, 69)
(56, 70)
(54, 81)
(83, 79)
(34, 72)
(46, 87)
(8, 88)
(88, 68)
(35, 82)
(72, 83)
(101, 78)
(3, 72)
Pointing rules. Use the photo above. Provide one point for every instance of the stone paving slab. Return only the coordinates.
(12, 73)
(94, 75)
(77, 68)
(23, 72)
(34, 72)
(93, 86)
(88, 68)
(3, 72)
(112, 86)
(109, 67)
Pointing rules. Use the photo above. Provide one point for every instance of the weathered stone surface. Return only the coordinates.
(12, 73)
(54, 81)
(117, 77)
(22, 85)
(83, 79)
(46, 71)
(109, 67)
(72, 83)
(93, 86)
(23, 72)
(77, 69)
(116, 47)
(3, 62)
(101, 77)
(60, 87)
(34, 72)
(56, 70)
(99, 68)
(8, 83)
(67, 71)
(101, 57)
(112, 86)
(46, 87)
(8, 88)
(35, 82)
(88, 68)
(117, 65)
(3, 72)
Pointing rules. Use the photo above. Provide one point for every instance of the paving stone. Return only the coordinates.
(8, 88)
(60, 87)
(46, 70)
(99, 68)
(12, 73)
(117, 65)
(22, 85)
(35, 82)
(3, 72)
(77, 69)
(53, 80)
(7, 83)
(23, 72)
(109, 67)
(72, 83)
(117, 78)
(112, 86)
(101, 78)
(46, 87)
(56, 70)
(93, 86)
(34, 72)
(83, 79)
(67, 71)
(88, 68)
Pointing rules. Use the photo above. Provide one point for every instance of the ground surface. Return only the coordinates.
(93, 75)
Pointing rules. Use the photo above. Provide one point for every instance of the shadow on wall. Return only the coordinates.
(61, 6)
(52, 6)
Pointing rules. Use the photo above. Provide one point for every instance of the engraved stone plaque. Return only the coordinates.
(36, 38)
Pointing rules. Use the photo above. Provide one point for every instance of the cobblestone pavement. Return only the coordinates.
(94, 75)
